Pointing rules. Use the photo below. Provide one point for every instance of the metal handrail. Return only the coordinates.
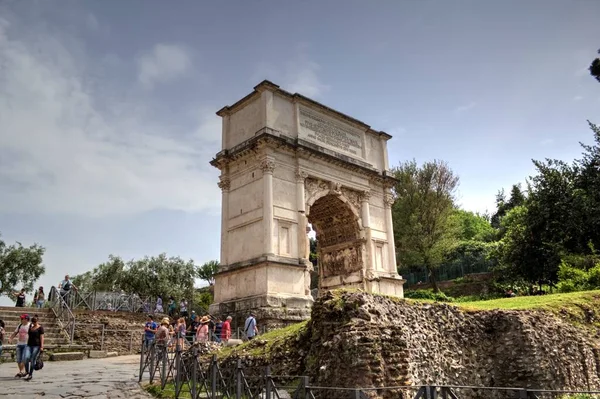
(63, 312)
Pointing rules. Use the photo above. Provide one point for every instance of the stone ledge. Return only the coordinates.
(262, 260)
(65, 356)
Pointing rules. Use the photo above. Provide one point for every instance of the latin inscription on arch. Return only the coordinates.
(329, 133)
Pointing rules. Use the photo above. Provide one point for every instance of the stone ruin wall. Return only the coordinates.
(383, 342)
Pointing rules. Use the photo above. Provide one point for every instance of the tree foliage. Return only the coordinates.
(208, 270)
(422, 213)
(595, 68)
(20, 267)
(147, 277)
(504, 205)
(559, 218)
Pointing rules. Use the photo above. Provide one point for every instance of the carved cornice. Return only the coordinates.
(267, 165)
(335, 188)
(389, 199)
(224, 183)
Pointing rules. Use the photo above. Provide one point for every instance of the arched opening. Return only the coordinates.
(339, 245)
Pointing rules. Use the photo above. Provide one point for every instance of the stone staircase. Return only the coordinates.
(56, 340)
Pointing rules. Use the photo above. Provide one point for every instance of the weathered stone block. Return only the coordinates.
(67, 356)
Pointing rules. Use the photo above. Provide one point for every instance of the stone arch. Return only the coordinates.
(340, 245)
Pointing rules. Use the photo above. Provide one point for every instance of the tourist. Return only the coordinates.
(193, 328)
(159, 305)
(162, 334)
(65, 288)
(180, 330)
(149, 331)
(202, 334)
(211, 328)
(218, 329)
(2, 332)
(35, 346)
(183, 305)
(20, 298)
(226, 329)
(250, 328)
(22, 334)
(171, 307)
(39, 298)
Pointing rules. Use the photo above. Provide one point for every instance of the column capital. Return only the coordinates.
(224, 183)
(388, 199)
(301, 176)
(267, 165)
(365, 196)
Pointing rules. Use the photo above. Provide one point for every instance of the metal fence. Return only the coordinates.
(62, 311)
(445, 272)
(178, 373)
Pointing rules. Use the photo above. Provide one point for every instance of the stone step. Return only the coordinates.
(67, 356)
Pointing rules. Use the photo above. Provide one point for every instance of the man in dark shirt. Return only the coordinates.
(20, 298)
(191, 330)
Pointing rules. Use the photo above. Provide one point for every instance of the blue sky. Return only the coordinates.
(107, 108)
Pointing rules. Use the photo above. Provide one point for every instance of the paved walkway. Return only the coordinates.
(91, 378)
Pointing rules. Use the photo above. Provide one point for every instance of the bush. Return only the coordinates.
(428, 294)
(567, 286)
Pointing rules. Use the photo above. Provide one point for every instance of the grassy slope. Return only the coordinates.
(552, 302)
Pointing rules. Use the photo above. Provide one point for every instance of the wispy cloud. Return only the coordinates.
(300, 74)
(464, 108)
(577, 98)
(164, 63)
(75, 146)
(547, 142)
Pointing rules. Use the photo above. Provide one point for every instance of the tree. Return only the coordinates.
(20, 267)
(471, 226)
(208, 270)
(503, 206)
(421, 214)
(147, 277)
(595, 68)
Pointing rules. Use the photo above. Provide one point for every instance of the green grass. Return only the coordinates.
(273, 338)
(553, 302)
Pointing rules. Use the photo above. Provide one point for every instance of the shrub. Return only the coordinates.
(428, 294)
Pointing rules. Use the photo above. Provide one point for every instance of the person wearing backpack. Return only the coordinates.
(35, 346)
(2, 331)
(65, 288)
(250, 328)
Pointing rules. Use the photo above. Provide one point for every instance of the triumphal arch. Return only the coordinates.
(286, 162)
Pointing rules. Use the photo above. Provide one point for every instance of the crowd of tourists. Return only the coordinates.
(182, 330)
(29, 346)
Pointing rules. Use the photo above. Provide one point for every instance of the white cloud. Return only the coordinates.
(547, 142)
(464, 108)
(164, 63)
(577, 98)
(70, 145)
(299, 75)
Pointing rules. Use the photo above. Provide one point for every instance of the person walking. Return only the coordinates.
(159, 305)
(226, 330)
(40, 298)
(218, 329)
(250, 328)
(65, 287)
(183, 305)
(22, 334)
(203, 334)
(35, 346)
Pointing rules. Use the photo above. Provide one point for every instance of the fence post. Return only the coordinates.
(357, 393)
(142, 360)
(194, 372)
(306, 387)
(238, 380)
(178, 380)
(268, 382)
(131, 342)
(102, 338)
(213, 377)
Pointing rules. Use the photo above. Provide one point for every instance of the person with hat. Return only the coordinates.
(202, 335)
(162, 334)
(22, 332)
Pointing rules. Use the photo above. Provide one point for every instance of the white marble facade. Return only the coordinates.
(287, 161)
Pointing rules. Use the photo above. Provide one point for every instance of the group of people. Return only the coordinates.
(30, 344)
(39, 298)
(170, 332)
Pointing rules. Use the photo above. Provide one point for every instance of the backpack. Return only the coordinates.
(67, 286)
